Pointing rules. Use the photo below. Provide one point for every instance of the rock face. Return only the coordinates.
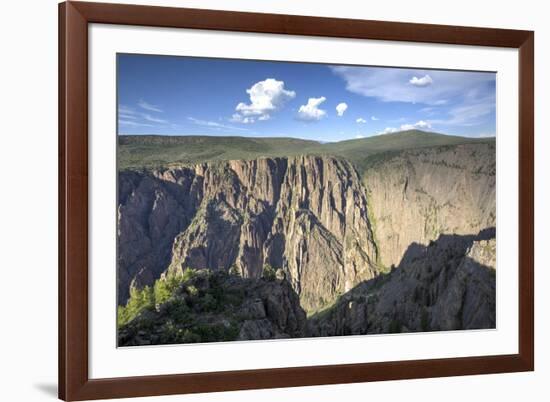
(404, 246)
(417, 195)
(215, 306)
(447, 285)
(152, 211)
(306, 215)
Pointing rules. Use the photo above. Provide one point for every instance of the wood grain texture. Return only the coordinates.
(298, 25)
(74, 382)
(73, 196)
(526, 263)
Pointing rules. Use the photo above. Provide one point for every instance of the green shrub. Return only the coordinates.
(192, 290)
(425, 320)
(395, 327)
(209, 303)
(178, 310)
(217, 332)
(139, 300)
(188, 274)
(269, 273)
(190, 337)
(162, 291)
(234, 270)
(148, 297)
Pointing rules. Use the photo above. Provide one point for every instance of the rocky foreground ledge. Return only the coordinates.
(217, 306)
(447, 285)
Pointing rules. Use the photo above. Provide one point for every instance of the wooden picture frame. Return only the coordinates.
(74, 381)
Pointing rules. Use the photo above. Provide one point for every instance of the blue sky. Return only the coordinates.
(201, 96)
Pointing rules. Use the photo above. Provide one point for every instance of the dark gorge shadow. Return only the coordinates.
(435, 287)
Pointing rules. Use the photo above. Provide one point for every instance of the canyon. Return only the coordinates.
(396, 238)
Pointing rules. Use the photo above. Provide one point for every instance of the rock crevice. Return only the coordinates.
(306, 215)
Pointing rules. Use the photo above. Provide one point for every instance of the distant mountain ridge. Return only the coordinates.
(330, 219)
(149, 151)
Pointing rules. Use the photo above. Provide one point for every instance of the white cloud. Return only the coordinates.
(153, 119)
(214, 125)
(341, 108)
(128, 116)
(484, 135)
(421, 82)
(123, 109)
(238, 118)
(470, 114)
(359, 136)
(311, 111)
(266, 97)
(392, 84)
(418, 125)
(360, 120)
(147, 106)
(132, 123)
(374, 118)
(388, 130)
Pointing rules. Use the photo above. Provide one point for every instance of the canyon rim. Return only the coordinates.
(290, 216)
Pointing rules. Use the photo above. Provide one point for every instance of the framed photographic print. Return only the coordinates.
(259, 200)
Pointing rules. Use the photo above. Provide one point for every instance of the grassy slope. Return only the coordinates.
(152, 151)
(361, 152)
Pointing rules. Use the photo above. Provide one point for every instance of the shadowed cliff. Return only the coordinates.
(307, 215)
(447, 285)
(328, 224)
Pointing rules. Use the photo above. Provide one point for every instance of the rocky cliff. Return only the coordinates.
(307, 215)
(213, 306)
(447, 285)
(399, 246)
(416, 195)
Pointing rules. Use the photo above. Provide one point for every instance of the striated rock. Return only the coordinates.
(321, 234)
(307, 216)
(447, 285)
(331, 236)
(151, 212)
(416, 195)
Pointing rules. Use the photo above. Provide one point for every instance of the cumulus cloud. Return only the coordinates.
(358, 136)
(239, 118)
(311, 111)
(421, 82)
(418, 125)
(266, 97)
(360, 120)
(341, 108)
(374, 118)
(389, 130)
